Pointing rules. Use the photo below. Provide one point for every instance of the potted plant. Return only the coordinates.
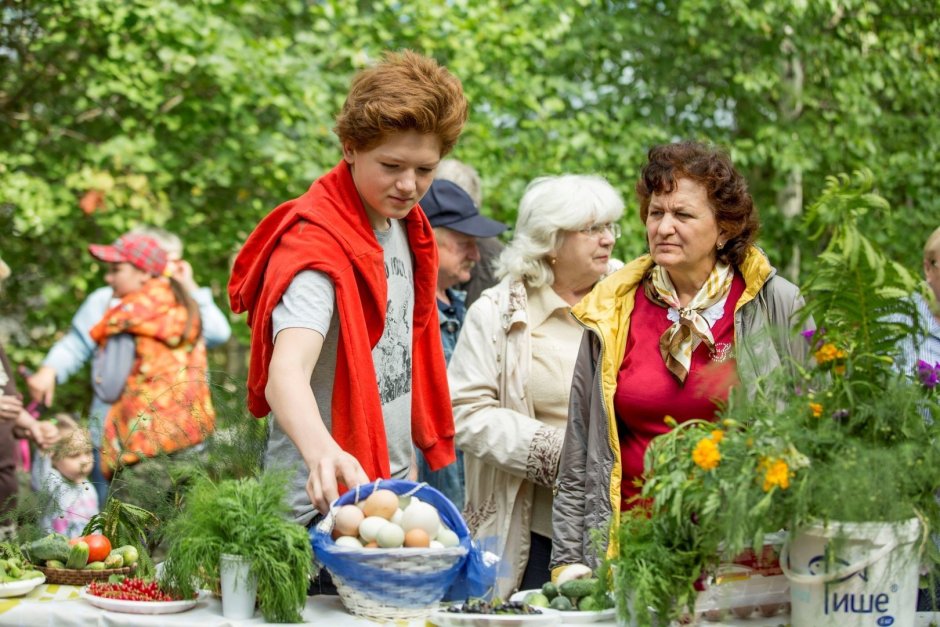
(842, 453)
(245, 517)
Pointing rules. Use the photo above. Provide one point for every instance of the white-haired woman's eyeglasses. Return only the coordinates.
(596, 230)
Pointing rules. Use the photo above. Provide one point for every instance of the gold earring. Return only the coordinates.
(552, 260)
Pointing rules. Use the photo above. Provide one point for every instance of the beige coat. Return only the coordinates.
(506, 450)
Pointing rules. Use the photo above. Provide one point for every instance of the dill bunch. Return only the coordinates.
(247, 517)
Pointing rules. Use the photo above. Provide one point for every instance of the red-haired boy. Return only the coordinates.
(339, 286)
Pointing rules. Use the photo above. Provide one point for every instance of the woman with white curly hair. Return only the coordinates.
(511, 369)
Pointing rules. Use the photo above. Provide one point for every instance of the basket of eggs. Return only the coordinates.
(393, 549)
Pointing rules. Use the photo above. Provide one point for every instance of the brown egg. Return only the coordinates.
(417, 538)
(743, 611)
(371, 545)
(383, 503)
(346, 521)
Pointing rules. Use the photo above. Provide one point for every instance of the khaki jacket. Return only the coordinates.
(588, 487)
(506, 450)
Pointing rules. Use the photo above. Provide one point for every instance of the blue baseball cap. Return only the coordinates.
(447, 205)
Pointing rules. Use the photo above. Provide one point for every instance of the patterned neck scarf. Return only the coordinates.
(691, 328)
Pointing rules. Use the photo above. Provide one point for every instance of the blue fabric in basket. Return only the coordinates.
(470, 576)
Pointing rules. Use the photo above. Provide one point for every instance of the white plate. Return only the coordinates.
(138, 607)
(443, 618)
(573, 617)
(21, 587)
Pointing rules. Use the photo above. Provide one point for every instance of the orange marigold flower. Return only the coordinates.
(717, 435)
(817, 409)
(776, 474)
(828, 352)
(706, 455)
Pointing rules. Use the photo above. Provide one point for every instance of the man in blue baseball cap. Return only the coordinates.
(457, 225)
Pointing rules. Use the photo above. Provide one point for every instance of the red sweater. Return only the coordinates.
(327, 230)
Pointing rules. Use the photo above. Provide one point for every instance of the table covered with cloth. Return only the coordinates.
(56, 605)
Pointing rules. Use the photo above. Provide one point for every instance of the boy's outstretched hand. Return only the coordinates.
(333, 468)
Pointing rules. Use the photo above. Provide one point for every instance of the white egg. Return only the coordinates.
(447, 537)
(404, 501)
(421, 516)
(390, 536)
(349, 542)
(441, 529)
(436, 545)
(396, 517)
(369, 528)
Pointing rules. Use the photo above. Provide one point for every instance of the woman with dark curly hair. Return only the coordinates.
(667, 335)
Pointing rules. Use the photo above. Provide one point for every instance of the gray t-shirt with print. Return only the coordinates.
(308, 303)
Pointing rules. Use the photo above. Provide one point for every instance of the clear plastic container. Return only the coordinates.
(752, 586)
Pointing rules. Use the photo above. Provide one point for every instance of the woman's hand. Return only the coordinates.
(41, 385)
(10, 407)
(44, 433)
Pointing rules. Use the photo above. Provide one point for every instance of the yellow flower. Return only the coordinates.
(839, 370)
(717, 435)
(817, 409)
(828, 352)
(776, 473)
(706, 455)
(670, 421)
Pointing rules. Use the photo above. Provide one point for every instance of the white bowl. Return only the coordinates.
(21, 587)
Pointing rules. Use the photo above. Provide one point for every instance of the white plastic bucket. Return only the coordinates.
(239, 587)
(873, 580)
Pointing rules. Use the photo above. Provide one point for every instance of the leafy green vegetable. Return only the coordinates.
(123, 524)
(247, 517)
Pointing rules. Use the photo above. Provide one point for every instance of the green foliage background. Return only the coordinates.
(200, 116)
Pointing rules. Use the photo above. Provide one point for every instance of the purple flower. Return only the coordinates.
(809, 334)
(929, 375)
(840, 414)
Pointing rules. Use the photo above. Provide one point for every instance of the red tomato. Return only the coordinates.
(98, 547)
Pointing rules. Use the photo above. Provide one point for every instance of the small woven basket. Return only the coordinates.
(393, 584)
(80, 577)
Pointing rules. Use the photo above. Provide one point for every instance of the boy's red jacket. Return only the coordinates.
(327, 230)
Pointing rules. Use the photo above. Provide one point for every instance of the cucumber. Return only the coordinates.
(78, 556)
(54, 546)
(577, 588)
(550, 590)
(94, 566)
(588, 604)
(129, 553)
(561, 603)
(54, 564)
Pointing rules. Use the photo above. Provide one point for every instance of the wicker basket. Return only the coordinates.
(79, 577)
(393, 584)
